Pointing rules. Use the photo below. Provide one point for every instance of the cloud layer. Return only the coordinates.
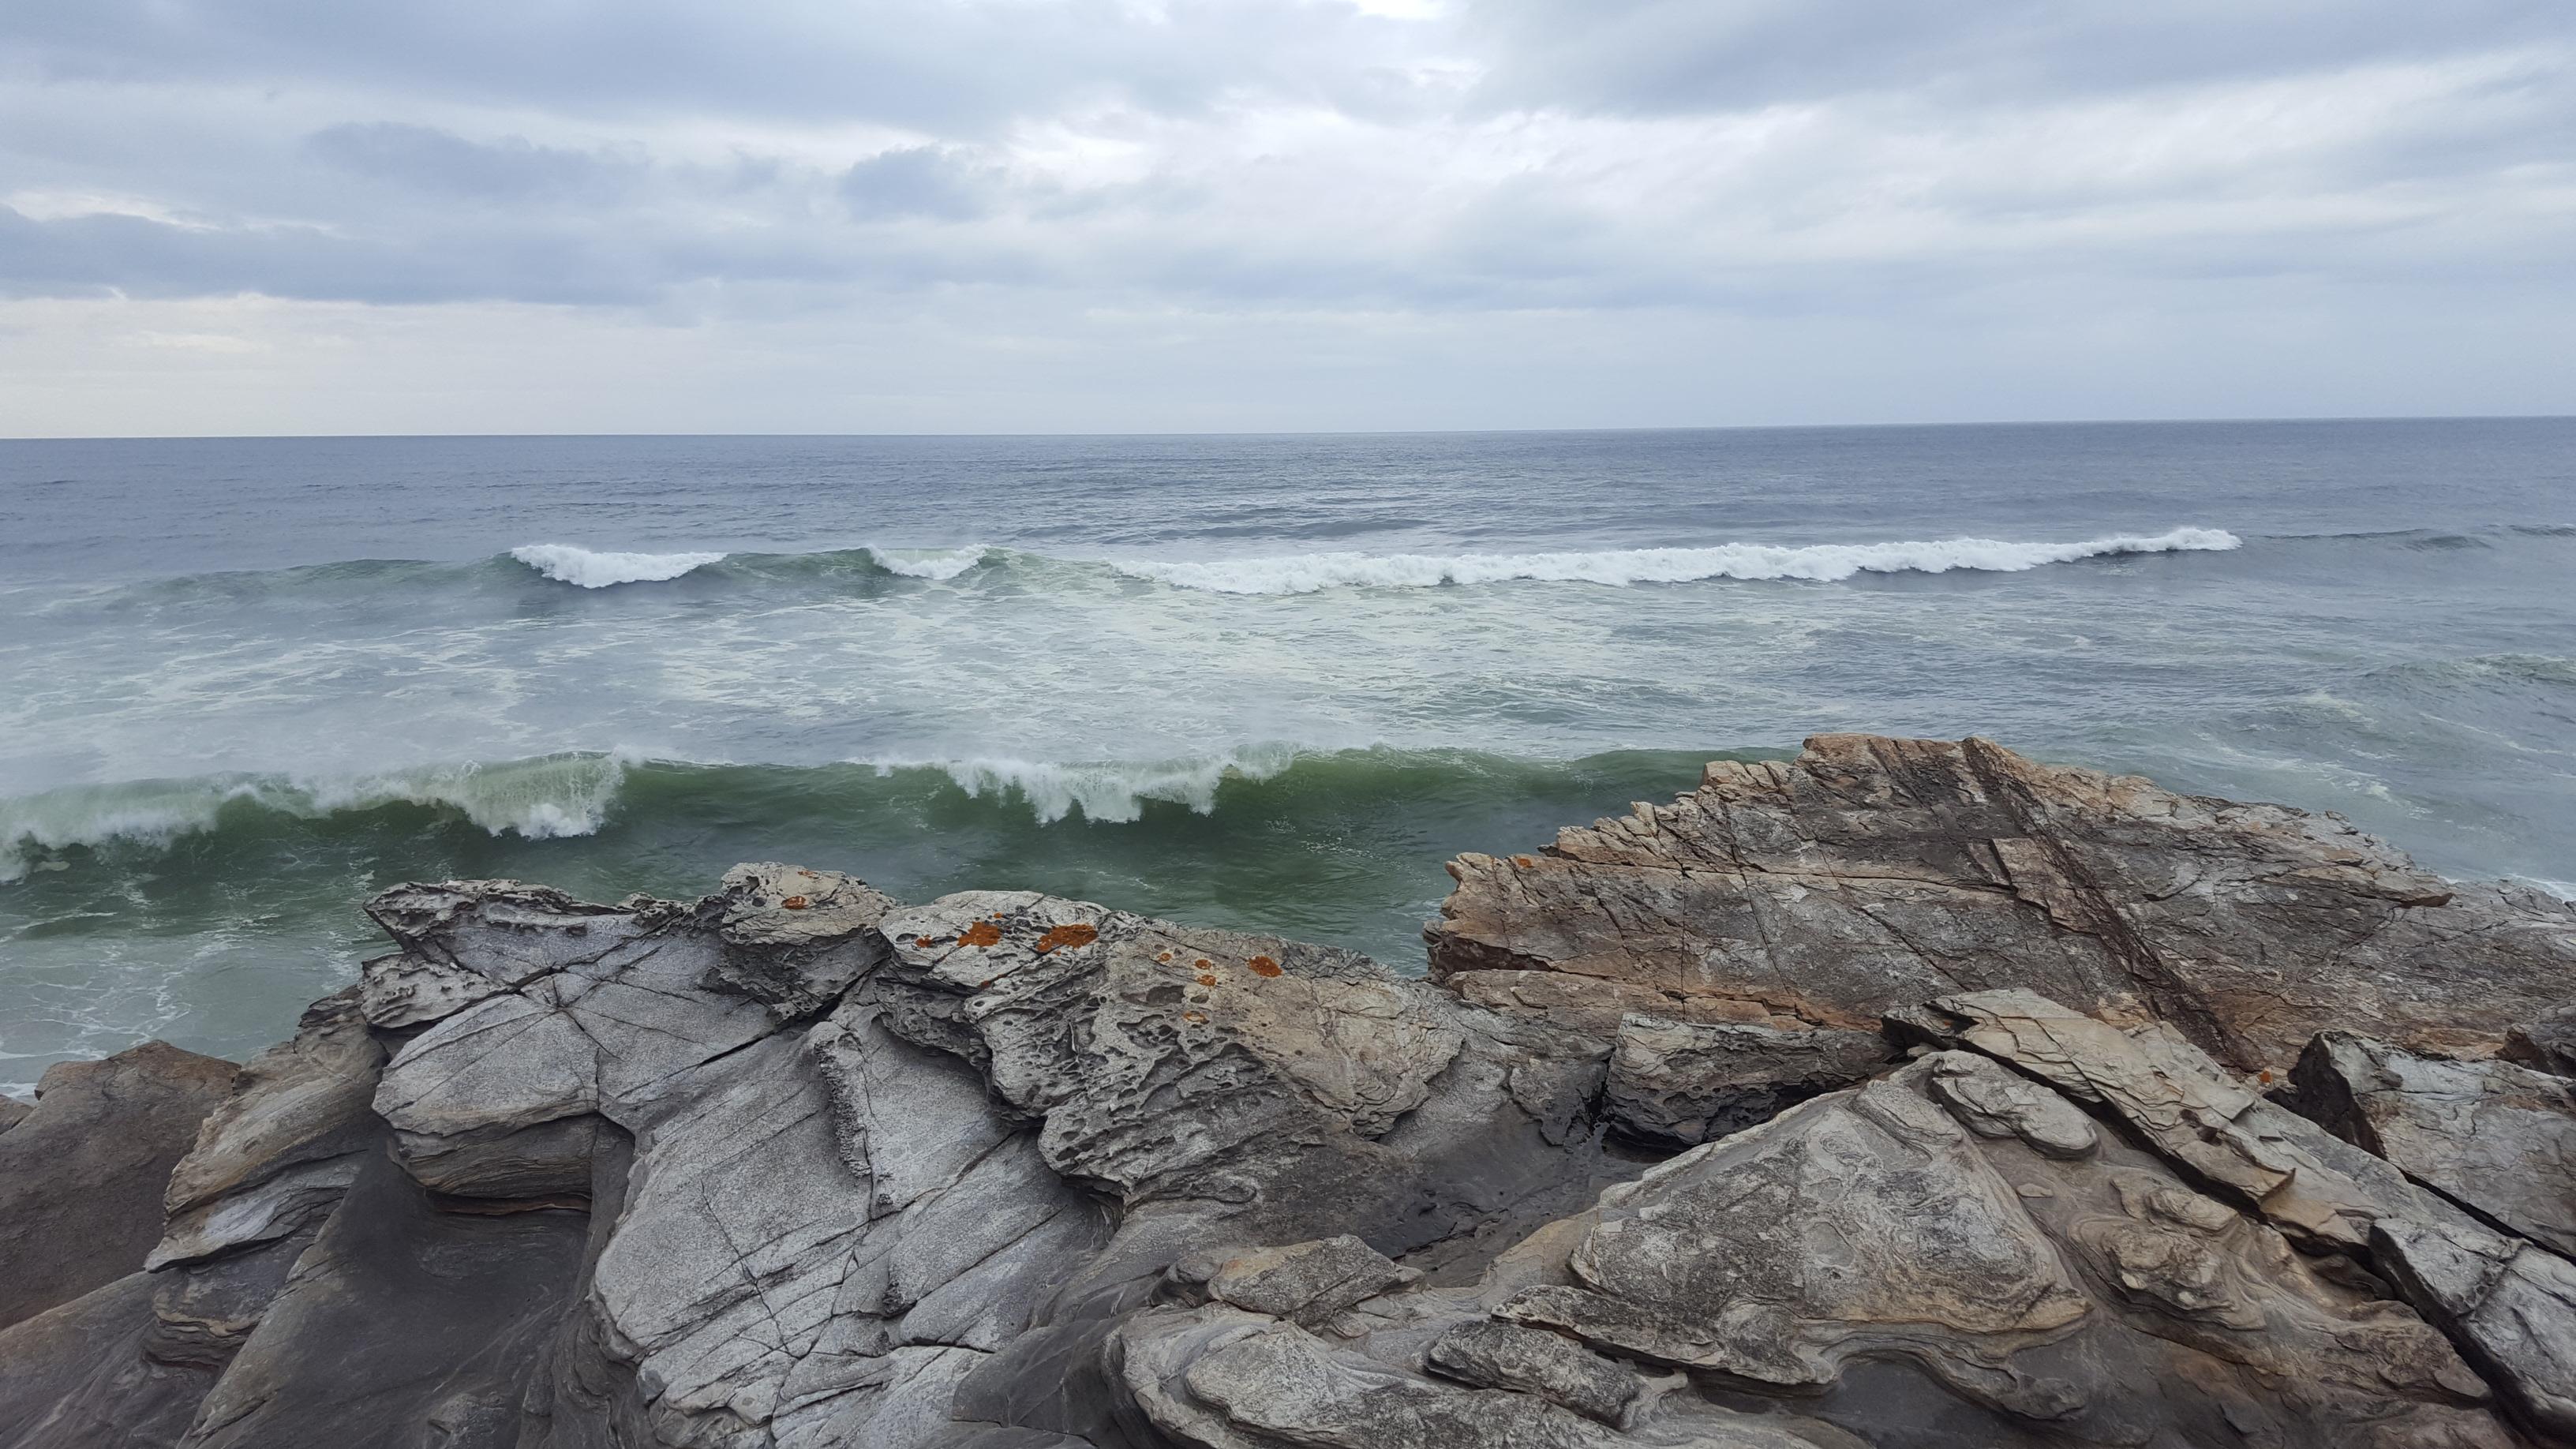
(1511, 212)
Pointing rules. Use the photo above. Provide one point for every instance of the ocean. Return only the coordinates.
(1259, 682)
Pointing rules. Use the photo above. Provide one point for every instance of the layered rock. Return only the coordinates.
(1902, 1097)
(1870, 874)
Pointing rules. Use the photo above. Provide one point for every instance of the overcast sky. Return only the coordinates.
(230, 216)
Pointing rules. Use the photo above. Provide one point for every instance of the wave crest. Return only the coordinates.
(545, 798)
(1824, 562)
(1112, 792)
(591, 569)
(935, 564)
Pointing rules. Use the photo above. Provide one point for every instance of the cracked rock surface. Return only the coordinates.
(1872, 873)
(1909, 1095)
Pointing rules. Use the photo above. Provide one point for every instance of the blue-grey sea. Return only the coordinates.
(1265, 682)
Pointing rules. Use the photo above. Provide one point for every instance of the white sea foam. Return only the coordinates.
(1307, 573)
(591, 569)
(1114, 791)
(935, 564)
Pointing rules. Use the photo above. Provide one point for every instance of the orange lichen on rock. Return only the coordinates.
(1203, 964)
(1194, 1018)
(794, 903)
(1071, 933)
(1206, 980)
(982, 933)
(1524, 862)
(1262, 966)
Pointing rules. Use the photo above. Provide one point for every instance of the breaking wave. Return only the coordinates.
(224, 820)
(1308, 573)
(541, 799)
(936, 564)
(590, 569)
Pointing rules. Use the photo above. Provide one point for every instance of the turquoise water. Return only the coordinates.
(1263, 682)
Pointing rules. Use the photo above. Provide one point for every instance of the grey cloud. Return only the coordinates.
(1679, 56)
(922, 181)
(434, 160)
(934, 65)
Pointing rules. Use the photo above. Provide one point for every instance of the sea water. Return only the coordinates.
(1260, 682)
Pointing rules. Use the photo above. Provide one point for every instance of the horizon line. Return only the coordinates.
(1313, 432)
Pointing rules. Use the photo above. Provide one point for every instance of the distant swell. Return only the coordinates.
(1307, 573)
(589, 569)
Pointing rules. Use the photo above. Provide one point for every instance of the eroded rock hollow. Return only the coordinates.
(1907, 1095)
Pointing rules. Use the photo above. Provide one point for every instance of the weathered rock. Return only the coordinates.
(2547, 1042)
(793, 1167)
(400, 1324)
(81, 1177)
(2510, 1306)
(1493, 1355)
(795, 938)
(277, 1153)
(1307, 1282)
(76, 1376)
(13, 1112)
(1159, 1055)
(2495, 1137)
(1688, 1082)
(1873, 873)
(1772, 1256)
(1221, 1379)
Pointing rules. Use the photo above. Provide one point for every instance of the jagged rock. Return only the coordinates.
(2498, 1138)
(2510, 1306)
(1872, 873)
(796, 938)
(1159, 1055)
(994, 1172)
(278, 1152)
(1223, 1379)
(1307, 1282)
(2188, 1107)
(2548, 1043)
(81, 1177)
(13, 1112)
(1690, 1082)
(404, 990)
(1494, 1355)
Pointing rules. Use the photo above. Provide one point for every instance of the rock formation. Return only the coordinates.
(1907, 1096)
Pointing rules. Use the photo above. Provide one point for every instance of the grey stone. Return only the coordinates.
(1157, 1054)
(82, 1177)
(13, 1112)
(1494, 1355)
(2547, 1042)
(76, 1376)
(795, 938)
(1692, 1082)
(1874, 873)
(2510, 1306)
(1307, 1282)
(2498, 1138)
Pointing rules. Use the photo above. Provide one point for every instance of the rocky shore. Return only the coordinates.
(1909, 1095)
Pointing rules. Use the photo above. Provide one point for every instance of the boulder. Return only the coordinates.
(82, 1176)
